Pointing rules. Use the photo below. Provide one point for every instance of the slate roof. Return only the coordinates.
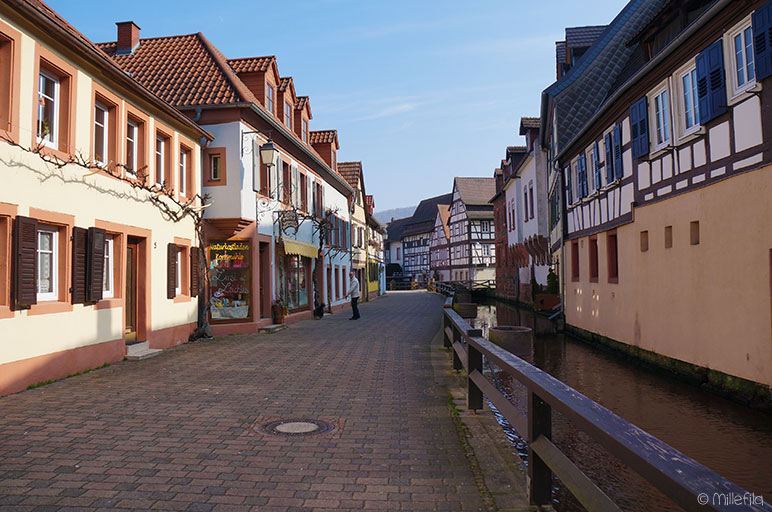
(350, 171)
(395, 228)
(323, 136)
(577, 37)
(581, 91)
(184, 70)
(476, 191)
(424, 215)
(560, 52)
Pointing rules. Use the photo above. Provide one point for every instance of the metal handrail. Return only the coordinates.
(677, 476)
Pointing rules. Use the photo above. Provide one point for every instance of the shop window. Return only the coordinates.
(296, 283)
(231, 280)
(612, 253)
(594, 259)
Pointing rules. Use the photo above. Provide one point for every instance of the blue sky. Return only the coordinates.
(420, 91)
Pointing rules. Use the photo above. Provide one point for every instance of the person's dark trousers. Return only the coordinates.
(354, 308)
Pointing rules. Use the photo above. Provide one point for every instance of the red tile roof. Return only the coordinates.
(303, 102)
(284, 82)
(251, 64)
(323, 136)
(530, 122)
(351, 172)
(184, 70)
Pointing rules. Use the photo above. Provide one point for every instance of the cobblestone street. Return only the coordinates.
(179, 432)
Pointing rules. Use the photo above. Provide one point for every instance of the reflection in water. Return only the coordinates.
(730, 439)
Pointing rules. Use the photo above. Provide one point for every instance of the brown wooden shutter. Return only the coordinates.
(96, 264)
(25, 262)
(171, 271)
(194, 277)
(79, 265)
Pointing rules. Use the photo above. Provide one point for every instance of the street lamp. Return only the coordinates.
(268, 151)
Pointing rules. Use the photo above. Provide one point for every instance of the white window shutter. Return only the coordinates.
(309, 193)
(255, 165)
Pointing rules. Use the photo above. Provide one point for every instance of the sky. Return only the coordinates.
(420, 91)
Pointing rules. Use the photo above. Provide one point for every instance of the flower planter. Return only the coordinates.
(516, 339)
(277, 314)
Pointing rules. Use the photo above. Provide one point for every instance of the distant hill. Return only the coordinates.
(385, 216)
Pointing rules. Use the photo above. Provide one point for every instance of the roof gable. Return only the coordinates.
(324, 137)
(265, 64)
(303, 103)
(184, 70)
(476, 191)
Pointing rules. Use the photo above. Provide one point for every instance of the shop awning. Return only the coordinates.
(300, 248)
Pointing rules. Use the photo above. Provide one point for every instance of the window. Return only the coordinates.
(612, 254)
(530, 198)
(525, 204)
(184, 165)
(668, 237)
(485, 226)
(215, 167)
(575, 260)
(269, 98)
(644, 241)
(160, 160)
(305, 130)
(694, 232)
(108, 271)
(486, 250)
(594, 259)
(48, 264)
(101, 119)
(288, 115)
(743, 68)
(690, 106)
(661, 118)
(132, 138)
(48, 110)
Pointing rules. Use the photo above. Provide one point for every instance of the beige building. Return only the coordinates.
(88, 260)
(667, 245)
(354, 176)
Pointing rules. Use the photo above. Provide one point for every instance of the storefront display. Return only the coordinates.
(297, 282)
(231, 279)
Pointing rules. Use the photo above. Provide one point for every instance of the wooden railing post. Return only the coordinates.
(474, 396)
(539, 475)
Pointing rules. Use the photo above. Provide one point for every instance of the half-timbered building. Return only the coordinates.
(471, 247)
(417, 235)
(439, 256)
(666, 187)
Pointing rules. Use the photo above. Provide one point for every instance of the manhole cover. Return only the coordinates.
(297, 427)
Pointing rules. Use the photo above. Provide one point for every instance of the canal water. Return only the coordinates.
(731, 439)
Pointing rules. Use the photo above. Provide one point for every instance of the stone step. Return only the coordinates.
(141, 351)
(270, 329)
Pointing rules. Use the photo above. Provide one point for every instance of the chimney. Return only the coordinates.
(128, 37)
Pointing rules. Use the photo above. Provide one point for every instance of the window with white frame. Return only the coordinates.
(132, 132)
(214, 167)
(183, 171)
(160, 151)
(288, 115)
(48, 110)
(100, 134)
(269, 98)
(485, 226)
(305, 130)
(689, 106)
(48, 264)
(108, 280)
(661, 108)
(178, 278)
(741, 57)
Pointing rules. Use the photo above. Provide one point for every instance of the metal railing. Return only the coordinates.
(679, 477)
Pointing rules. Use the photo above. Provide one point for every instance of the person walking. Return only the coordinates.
(353, 291)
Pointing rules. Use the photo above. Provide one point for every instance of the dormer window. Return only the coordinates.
(288, 115)
(269, 98)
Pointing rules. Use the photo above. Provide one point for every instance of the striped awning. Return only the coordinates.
(300, 248)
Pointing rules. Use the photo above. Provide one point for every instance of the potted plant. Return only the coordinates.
(279, 311)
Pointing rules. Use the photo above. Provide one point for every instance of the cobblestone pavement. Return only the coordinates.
(177, 432)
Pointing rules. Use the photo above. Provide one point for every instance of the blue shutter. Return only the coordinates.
(609, 158)
(618, 147)
(762, 40)
(569, 194)
(596, 158)
(711, 82)
(639, 128)
(581, 175)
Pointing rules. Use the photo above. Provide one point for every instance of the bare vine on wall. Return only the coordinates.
(171, 207)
